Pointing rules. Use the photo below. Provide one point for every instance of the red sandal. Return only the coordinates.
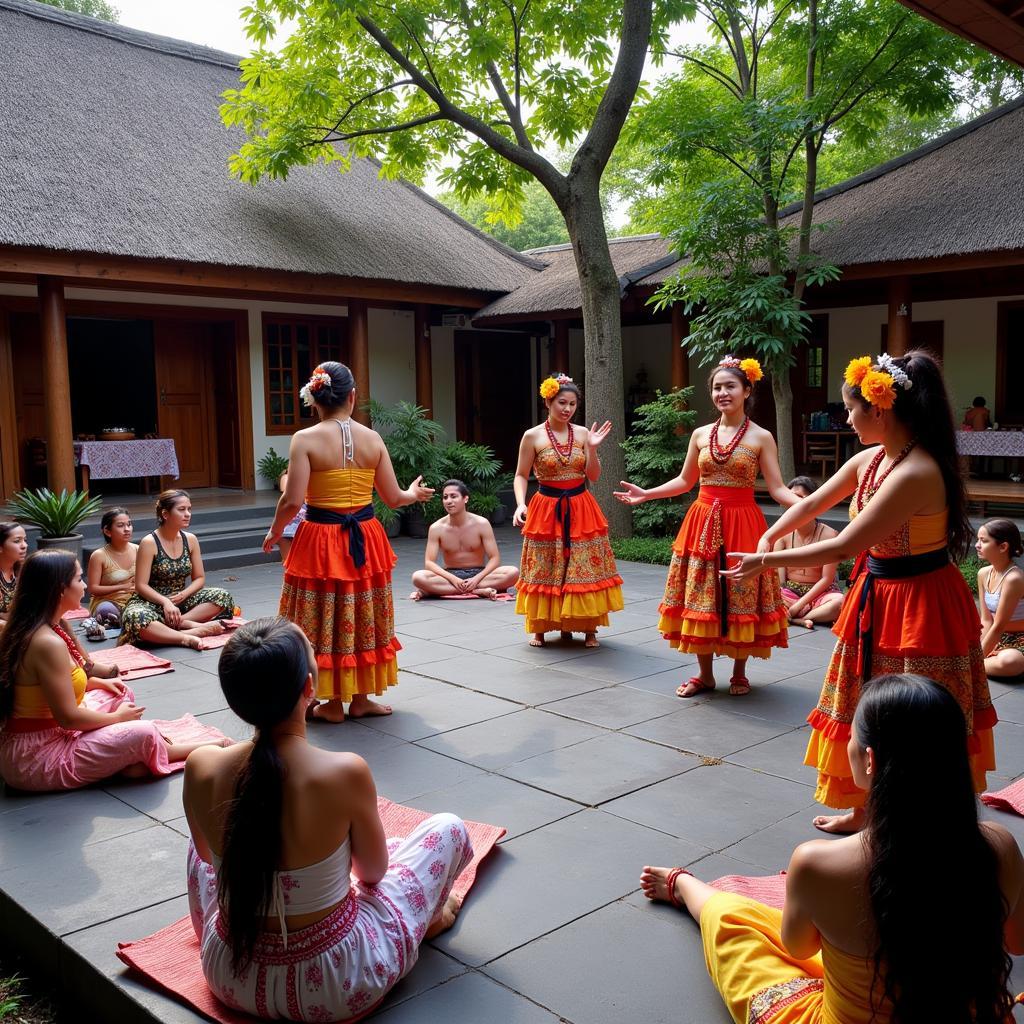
(739, 686)
(670, 881)
(698, 687)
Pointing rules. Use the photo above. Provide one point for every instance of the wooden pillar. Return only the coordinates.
(560, 353)
(424, 377)
(60, 458)
(680, 358)
(359, 357)
(900, 316)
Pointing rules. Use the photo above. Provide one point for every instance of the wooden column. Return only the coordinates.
(359, 357)
(560, 351)
(900, 316)
(60, 458)
(680, 357)
(424, 377)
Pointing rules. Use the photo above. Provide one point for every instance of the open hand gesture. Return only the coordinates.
(419, 490)
(748, 565)
(597, 434)
(632, 495)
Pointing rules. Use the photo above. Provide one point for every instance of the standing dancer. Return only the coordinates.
(568, 579)
(701, 613)
(1001, 598)
(337, 576)
(908, 608)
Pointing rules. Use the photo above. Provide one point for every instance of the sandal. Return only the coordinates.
(670, 882)
(692, 687)
(739, 686)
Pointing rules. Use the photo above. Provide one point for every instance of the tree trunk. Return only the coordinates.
(782, 392)
(602, 332)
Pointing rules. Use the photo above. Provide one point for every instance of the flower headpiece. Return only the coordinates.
(750, 368)
(550, 386)
(321, 379)
(877, 380)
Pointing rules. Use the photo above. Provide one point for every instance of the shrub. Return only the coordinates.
(652, 550)
(271, 466)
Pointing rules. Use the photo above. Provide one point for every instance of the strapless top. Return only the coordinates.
(30, 701)
(340, 488)
(848, 985)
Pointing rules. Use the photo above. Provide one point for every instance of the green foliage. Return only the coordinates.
(93, 8)
(411, 440)
(652, 550)
(56, 515)
(655, 451)
(271, 466)
(478, 468)
(969, 568)
(536, 223)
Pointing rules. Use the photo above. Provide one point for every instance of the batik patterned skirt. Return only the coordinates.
(139, 613)
(347, 613)
(702, 611)
(55, 758)
(1010, 641)
(341, 967)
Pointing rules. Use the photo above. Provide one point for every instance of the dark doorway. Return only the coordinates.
(493, 391)
(926, 334)
(1009, 364)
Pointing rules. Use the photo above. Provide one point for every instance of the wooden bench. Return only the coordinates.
(994, 492)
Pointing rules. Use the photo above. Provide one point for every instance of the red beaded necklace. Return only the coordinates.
(868, 484)
(563, 452)
(718, 453)
(69, 642)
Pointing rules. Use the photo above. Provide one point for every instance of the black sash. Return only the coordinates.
(347, 521)
(563, 510)
(887, 569)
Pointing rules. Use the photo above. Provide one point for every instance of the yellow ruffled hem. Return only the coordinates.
(573, 612)
(836, 787)
(742, 639)
(345, 683)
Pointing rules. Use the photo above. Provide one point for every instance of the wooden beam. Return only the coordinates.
(560, 351)
(680, 357)
(900, 315)
(359, 357)
(60, 458)
(10, 470)
(424, 372)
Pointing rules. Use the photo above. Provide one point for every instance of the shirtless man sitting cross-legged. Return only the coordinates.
(471, 556)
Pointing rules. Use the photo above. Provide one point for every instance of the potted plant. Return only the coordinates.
(57, 516)
(478, 468)
(271, 466)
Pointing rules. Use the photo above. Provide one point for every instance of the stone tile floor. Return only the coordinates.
(586, 757)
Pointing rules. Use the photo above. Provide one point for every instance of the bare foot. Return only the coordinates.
(654, 882)
(190, 640)
(808, 624)
(487, 592)
(363, 707)
(537, 640)
(590, 640)
(211, 628)
(841, 824)
(416, 595)
(445, 916)
(330, 711)
(693, 686)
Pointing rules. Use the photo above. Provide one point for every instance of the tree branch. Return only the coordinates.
(335, 136)
(362, 99)
(719, 76)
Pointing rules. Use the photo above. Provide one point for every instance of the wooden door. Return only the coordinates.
(29, 406)
(225, 412)
(182, 358)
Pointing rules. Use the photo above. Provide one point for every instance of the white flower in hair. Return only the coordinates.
(898, 374)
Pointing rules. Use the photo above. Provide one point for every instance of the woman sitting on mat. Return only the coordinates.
(1001, 598)
(811, 595)
(13, 549)
(111, 573)
(280, 829)
(172, 604)
(64, 727)
(876, 927)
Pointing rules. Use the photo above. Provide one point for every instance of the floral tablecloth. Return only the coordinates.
(110, 459)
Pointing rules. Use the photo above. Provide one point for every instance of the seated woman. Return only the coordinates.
(172, 604)
(111, 575)
(811, 595)
(1001, 598)
(877, 927)
(279, 829)
(13, 548)
(65, 729)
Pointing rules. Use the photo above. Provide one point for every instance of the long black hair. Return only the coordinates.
(918, 735)
(263, 670)
(41, 583)
(926, 412)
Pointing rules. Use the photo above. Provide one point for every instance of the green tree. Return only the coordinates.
(539, 223)
(481, 89)
(94, 8)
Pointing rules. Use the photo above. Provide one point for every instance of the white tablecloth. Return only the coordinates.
(121, 459)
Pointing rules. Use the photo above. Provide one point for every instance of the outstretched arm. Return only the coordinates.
(688, 476)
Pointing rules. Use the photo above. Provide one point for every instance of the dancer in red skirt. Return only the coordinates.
(702, 613)
(568, 580)
(337, 576)
(908, 608)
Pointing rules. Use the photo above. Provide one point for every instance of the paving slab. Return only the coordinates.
(614, 707)
(782, 756)
(708, 729)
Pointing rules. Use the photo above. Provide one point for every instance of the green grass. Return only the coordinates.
(17, 1003)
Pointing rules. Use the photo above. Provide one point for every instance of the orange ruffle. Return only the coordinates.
(320, 551)
(742, 521)
(574, 611)
(586, 518)
(747, 636)
(341, 677)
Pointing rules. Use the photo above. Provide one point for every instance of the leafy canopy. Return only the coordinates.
(93, 8)
(539, 222)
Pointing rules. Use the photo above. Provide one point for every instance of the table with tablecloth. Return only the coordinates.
(106, 460)
(1007, 444)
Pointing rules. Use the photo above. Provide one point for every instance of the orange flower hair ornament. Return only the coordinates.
(317, 382)
(750, 368)
(550, 386)
(877, 380)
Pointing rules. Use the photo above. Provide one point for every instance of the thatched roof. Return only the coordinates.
(961, 194)
(997, 26)
(114, 146)
(557, 289)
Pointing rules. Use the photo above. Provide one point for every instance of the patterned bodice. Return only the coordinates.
(739, 471)
(170, 575)
(917, 536)
(546, 464)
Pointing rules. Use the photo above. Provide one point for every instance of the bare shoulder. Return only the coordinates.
(758, 435)
(828, 532)
(437, 527)
(1001, 839)
(147, 544)
(701, 433)
(820, 857)
(206, 763)
(480, 522)
(45, 642)
(984, 572)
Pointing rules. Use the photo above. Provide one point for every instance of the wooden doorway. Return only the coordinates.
(493, 391)
(1009, 399)
(926, 334)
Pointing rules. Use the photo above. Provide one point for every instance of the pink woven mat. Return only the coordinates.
(211, 643)
(78, 613)
(767, 889)
(188, 729)
(169, 958)
(132, 662)
(1009, 799)
(475, 597)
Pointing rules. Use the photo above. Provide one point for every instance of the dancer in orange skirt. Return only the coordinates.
(568, 580)
(337, 576)
(908, 608)
(701, 613)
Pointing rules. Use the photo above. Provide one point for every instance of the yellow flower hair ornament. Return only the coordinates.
(751, 368)
(857, 370)
(877, 388)
(877, 379)
(548, 388)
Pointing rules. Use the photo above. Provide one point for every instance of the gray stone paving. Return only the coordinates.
(586, 757)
